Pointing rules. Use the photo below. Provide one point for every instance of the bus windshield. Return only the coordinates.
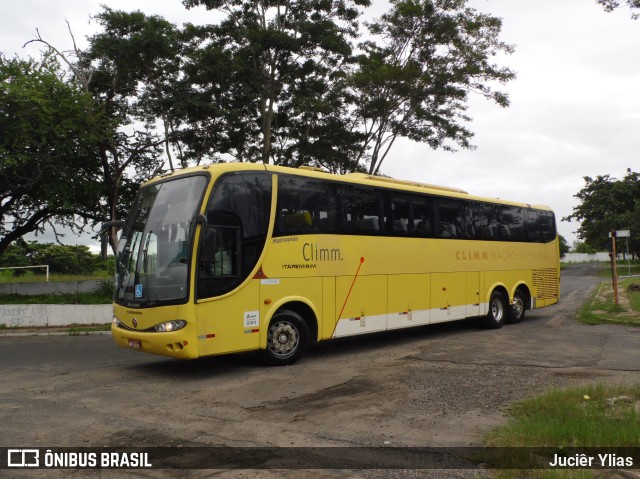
(154, 251)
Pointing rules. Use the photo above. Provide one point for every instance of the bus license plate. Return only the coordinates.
(135, 344)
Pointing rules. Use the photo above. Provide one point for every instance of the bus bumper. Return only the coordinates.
(175, 344)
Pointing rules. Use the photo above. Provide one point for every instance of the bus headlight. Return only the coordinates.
(170, 326)
(117, 323)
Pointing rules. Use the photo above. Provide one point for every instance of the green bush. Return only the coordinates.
(62, 259)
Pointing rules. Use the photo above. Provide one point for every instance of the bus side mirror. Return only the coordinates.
(110, 224)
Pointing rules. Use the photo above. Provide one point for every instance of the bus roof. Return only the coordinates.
(353, 178)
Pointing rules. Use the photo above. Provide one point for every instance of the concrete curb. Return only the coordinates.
(12, 333)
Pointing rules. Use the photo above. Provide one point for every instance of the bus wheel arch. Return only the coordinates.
(498, 308)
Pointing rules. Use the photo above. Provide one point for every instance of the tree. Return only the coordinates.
(131, 66)
(126, 74)
(48, 170)
(608, 204)
(414, 78)
(61, 259)
(564, 246)
(611, 5)
(268, 80)
(582, 247)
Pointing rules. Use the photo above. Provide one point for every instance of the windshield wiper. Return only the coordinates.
(145, 252)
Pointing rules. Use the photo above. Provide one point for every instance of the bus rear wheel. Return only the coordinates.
(287, 339)
(497, 314)
(517, 309)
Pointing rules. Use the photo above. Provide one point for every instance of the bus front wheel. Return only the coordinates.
(287, 339)
(497, 311)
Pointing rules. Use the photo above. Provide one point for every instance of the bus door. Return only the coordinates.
(227, 309)
(232, 321)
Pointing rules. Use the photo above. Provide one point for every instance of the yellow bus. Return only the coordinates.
(237, 257)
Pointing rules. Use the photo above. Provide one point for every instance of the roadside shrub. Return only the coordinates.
(62, 259)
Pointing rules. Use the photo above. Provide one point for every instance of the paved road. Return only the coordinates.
(552, 338)
(445, 385)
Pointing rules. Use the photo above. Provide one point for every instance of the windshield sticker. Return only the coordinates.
(138, 291)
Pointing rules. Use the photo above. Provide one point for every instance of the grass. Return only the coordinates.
(590, 416)
(624, 267)
(601, 307)
(595, 416)
(28, 276)
(84, 330)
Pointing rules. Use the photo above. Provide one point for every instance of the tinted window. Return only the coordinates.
(486, 221)
(401, 215)
(362, 210)
(305, 206)
(547, 225)
(512, 224)
(455, 219)
(533, 226)
(423, 222)
(237, 224)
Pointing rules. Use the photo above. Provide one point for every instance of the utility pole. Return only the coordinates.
(614, 269)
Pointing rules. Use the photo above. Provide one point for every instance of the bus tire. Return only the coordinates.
(287, 339)
(517, 309)
(497, 314)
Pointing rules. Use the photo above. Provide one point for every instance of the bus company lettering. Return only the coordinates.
(472, 255)
(500, 255)
(313, 252)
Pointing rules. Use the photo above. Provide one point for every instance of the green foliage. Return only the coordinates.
(267, 83)
(591, 416)
(285, 83)
(47, 166)
(70, 260)
(564, 247)
(414, 77)
(608, 204)
(582, 247)
(602, 309)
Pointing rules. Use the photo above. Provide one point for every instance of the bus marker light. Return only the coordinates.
(267, 301)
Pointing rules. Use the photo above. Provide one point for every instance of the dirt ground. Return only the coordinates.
(445, 385)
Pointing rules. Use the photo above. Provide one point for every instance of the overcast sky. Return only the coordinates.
(575, 104)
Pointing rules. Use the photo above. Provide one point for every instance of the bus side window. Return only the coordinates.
(362, 210)
(485, 220)
(547, 225)
(305, 206)
(454, 219)
(401, 221)
(513, 219)
(422, 214)
(533, 226)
